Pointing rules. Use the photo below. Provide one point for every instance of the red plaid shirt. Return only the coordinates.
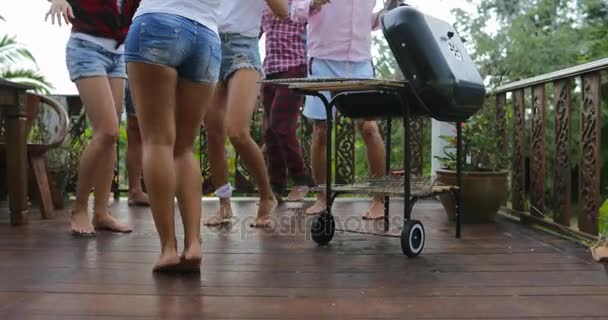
(285, 48)
(101, 18)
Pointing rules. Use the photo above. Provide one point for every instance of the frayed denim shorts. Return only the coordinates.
(87, 59)
(176, 42)
(239, 52)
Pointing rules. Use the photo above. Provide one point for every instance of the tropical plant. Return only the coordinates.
(13, 53)
(479, 146)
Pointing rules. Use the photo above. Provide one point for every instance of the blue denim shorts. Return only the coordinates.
(87, 59)
(173, 41)
(321, 68)
(239, 52)
(129, 107)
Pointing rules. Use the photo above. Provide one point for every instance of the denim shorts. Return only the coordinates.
(239, 52)
(322, 68)
(176, 42)
(87, 59)
(129, 107)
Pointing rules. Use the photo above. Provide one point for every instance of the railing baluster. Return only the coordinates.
(501, 122)
(519, 151)
(538, 151)
(562, 183)
(344, 152)
(589, 175)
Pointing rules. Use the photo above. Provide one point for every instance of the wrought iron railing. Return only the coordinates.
(344, 154)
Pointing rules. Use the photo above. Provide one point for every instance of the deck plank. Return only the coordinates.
(496, 271)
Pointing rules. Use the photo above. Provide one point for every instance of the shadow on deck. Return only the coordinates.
(499, 270)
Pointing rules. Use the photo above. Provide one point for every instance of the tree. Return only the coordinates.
(515, 39)
(12, 53)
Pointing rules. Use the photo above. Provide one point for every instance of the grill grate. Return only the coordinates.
(421, 186)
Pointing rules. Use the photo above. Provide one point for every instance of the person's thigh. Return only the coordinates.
(154, 90)
(243, 91)
(193, 98)
(97, 99)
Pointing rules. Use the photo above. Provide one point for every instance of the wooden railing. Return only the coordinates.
(557, 97)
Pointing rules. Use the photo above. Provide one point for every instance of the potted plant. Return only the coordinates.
(484, 181)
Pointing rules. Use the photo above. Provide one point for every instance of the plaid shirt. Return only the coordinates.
(101, 18)
(285, 48)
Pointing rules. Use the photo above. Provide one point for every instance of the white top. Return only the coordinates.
(106, 43)
(241, 16)
(202, 11)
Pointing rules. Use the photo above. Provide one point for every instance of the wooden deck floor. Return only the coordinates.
(497, 271)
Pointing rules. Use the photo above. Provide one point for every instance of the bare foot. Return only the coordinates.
(190, 260)
(317, 208)
(600, 252)
(298, 193)
(138, 199)
(79, 222)
(375, 211)
(168, 262)
(106, 222)
(222, 215)
(267, 206)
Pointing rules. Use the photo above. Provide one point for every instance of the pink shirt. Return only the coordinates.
(340, 30)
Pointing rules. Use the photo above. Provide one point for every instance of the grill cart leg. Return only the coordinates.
(389, 127)
(412, 235)
(324, 226)
(458, 175)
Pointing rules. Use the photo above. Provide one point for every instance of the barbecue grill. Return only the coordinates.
(441, 82)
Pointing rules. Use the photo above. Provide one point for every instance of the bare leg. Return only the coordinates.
(102, 219)
(137, 197)
(154, 93)
(243, 91)
(376, 158)
(319, 163)
(96, 95)
(192, 100)
(216, 147)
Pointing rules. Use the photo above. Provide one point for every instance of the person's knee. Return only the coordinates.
(181, 150)
(238, 136)
(368, 130)
(108, 137)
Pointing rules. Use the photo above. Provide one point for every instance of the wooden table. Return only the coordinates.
(12, 109)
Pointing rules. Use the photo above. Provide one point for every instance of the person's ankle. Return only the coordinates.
(169, 247)
(267, 196)
(99, 214)
(135, 192)
(79, 209)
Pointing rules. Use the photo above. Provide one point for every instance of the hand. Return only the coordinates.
(58, 9)
(316, 4)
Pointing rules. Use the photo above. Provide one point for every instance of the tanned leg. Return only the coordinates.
(154, 93)
(102, 219)
(243, 91)
(376, 158)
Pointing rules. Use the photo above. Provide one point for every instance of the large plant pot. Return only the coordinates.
(482, 194)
